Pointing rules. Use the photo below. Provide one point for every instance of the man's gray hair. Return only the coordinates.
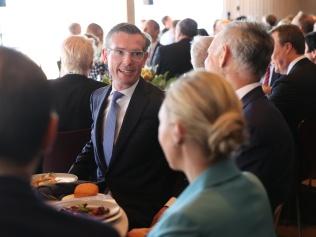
(128, 29)
(250, 44)
(76, 55)
(198, 51)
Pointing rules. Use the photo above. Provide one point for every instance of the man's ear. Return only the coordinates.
(224, 56)
(51, 133)
(104, 56)
(288, 47)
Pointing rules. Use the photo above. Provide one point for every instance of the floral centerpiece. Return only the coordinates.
(149, 75)
(160, 80)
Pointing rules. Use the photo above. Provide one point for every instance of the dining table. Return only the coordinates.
(57, 193)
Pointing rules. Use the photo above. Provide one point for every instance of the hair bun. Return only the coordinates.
(226, 134)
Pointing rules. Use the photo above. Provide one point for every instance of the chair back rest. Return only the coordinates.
(65, 150)
(307, 146)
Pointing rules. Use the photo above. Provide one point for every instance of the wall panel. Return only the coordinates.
(255, 9)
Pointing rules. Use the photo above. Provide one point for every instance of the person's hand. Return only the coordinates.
(138, 232)
(266, 89)
(158, 215)
(162, 211)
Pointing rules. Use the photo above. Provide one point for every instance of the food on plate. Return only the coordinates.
(86, 189)
(45, 179)
(98, 212)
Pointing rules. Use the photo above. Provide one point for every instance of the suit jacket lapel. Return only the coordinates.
(99, 126)
(153, 54)
(131, 118)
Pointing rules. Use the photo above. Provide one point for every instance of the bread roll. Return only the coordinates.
(86, 189)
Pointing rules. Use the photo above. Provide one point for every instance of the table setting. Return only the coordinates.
(66, 193)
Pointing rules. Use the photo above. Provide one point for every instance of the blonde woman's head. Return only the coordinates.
(209, 111)
(76, 55)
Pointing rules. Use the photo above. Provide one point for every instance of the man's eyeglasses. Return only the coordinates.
(120, 53)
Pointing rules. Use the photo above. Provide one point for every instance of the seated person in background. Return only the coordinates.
(269, 21)
(167, 34)
(202, 32)
(28, 128)
(241, 53)
(152, 28)
(219, 25)
(310, 49)
(198, 51)
(199, 139)
(175, 58)
(71, 93)
(74, 28)
(99, 68)
(304, 22)
(294, 93)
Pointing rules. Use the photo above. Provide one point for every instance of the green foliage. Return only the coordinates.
(162, 81)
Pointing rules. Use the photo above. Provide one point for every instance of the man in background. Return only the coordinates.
(175, 58)
(74, 28)
(293, 93)
(99, 68)
(152, 28)
(241, 53)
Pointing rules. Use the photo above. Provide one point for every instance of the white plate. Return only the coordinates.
(58, 178)
(113, 215)
(99, 196)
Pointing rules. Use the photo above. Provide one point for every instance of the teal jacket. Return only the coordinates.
(221, 202)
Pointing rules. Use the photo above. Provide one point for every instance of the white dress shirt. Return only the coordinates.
(291, 65)
(242, 91)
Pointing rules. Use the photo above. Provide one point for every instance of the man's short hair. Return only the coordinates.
(188, 27)
(25, 105)
(165, 19)
(250, 45)
(75, 29)
(128, 29)
(291, 34)
(95, 30)
(310, 39)
(155, 25)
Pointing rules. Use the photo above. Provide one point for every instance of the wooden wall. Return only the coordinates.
(255, 9)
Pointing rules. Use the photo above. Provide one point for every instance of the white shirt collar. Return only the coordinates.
(241, 92)
(126, 92)
(291, 65)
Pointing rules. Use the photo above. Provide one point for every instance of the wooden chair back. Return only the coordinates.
(65, 150)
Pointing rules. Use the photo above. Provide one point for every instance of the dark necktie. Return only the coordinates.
(110, 126)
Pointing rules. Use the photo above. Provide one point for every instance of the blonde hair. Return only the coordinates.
(209, 110)
(77, 55)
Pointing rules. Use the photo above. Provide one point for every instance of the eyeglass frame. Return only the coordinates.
(122, 53)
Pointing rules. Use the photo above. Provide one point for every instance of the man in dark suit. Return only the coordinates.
(294, 93)
(132, 167)
(71, 93)
(175, 58)
(241, 53)
(28, 128)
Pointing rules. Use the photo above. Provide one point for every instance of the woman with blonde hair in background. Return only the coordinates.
(201, 127)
